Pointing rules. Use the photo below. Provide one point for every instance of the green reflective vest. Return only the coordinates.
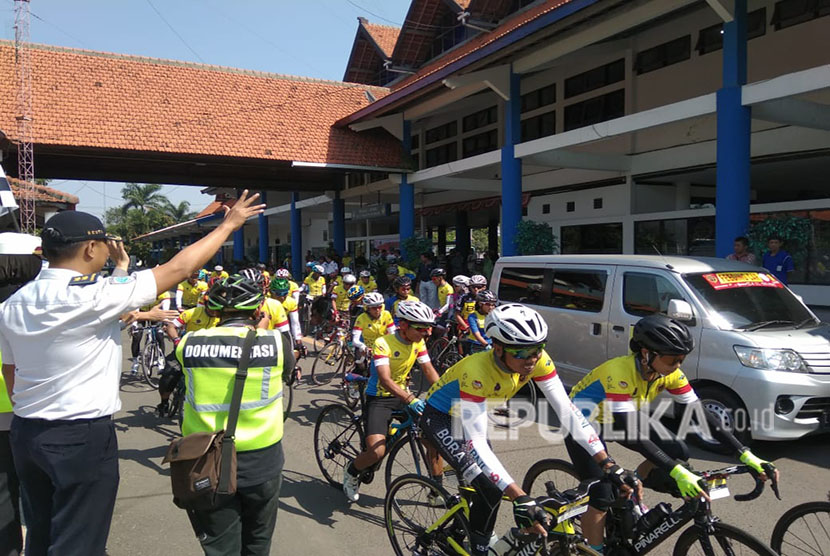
(5, 401)
(209, 359)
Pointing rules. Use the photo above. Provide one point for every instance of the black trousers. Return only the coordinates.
(243, 525)
(11, 537)
(69, 472)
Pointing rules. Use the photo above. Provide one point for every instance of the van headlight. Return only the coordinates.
(771, 359)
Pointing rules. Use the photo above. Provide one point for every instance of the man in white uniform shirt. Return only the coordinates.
(61, 345)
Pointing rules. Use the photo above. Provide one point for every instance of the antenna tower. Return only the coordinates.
(25, 151)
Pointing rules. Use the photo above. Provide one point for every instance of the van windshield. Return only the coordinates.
(750, 300)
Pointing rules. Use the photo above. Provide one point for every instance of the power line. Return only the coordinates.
(67, 33)
(361, 8)
(184, 42)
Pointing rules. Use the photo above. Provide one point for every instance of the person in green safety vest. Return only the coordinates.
(244, 523)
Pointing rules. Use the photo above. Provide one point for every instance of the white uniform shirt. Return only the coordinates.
(65, 341)
(331, 267)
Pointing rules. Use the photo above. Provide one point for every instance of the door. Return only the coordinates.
(639, 292)
(577, 315)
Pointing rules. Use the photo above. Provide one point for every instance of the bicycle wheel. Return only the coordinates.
(450, 358)
(418, 382)
(319, 339)
(176, 410)
(152, 363)
(435, 351)
(726, 539)
(407, 513)
(403, 458)
(561, 472)
(803, 529)
(352, 392)
(327, 363)
(338, 439)
(287, 399)
(517, 409)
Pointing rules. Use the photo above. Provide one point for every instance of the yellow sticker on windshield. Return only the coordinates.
(728, 280)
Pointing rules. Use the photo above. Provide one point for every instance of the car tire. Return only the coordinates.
(725, 404)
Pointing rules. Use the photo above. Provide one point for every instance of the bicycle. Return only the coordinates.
(335, 357)
(151, 357)
(629, 535)
(449, 532)
(444, 352)
(289, 380)
(803, 529)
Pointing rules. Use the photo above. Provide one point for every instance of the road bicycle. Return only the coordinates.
(151, 357)
(444, 352)
(629, 534)
(289, 379)
(418, 525)
(336, 357)
(803, 529)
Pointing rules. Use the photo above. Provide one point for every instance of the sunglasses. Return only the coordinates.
(675, 360)
(420, 327)
(525, 353)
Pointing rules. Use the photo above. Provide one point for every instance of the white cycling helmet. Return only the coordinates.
(478, 280)
(283, 273)
(461, 281)
(515, 325)
(372, 299)
(345, 270)
(349, 279)
(318, 268)
(218, 268)
(415, 312)
(365, 274)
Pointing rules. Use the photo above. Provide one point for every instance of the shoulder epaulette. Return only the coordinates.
(84, 280)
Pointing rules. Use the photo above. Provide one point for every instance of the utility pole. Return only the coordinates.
(25, 151)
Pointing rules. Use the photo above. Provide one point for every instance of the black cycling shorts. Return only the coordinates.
(379, 412)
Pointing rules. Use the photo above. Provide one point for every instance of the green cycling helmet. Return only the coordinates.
(280, 286)
(234, 292)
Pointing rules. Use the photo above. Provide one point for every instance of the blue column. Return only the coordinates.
(339, 210)
(406, 192)
(734, 136)
(511, 168)
(239, 244)
(263, 232)
(296, 239)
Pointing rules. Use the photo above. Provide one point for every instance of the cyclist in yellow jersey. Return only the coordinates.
(219, 273)
(340, 293)
(374, 322)
(445, 289)
(392, 361)
(477, 339)
(460, 398)
(367, 282)
(316, 282)
(403, 288)
(621, 389)
(189, 292)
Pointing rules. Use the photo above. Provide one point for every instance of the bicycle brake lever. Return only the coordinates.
(769, 469)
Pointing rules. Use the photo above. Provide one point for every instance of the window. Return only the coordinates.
(595, 78)
(792, 12)
(570, 206)
(644, 294)
(592, 239)
(546, 208)
(415, 141)
(682, 236)
(480, 119)
(539, 98)
(441, 132)
(595, 110)
(481, 143)
(539, 126)
(598, 203)
(521, 284)
(710, 39)
(524, 211)
(663, 55)
(579, 290)
(442, 155)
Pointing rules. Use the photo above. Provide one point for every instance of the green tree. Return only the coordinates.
(536, 238)
(143, 197)
(180, 212)
(144, 210)
(480, 240)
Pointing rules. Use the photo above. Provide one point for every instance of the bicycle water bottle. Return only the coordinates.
(657, 515)
(504, 544)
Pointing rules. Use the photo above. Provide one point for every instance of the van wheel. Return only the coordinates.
(732, 413)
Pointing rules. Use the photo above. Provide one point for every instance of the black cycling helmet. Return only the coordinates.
(401, 281)
(662, 335)
(437, 272)
(234, 292)
(486, 296)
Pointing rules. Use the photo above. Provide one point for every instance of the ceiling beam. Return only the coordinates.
(496, 78)
(461, 184)
(581, 160)
(794, 111)
(724, 8)
(393, 123)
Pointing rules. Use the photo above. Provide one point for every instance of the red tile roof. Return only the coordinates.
(385, 36)
(111, 101)
(43, 193)
(216, 206)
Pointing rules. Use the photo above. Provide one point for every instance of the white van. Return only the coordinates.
(762, 356)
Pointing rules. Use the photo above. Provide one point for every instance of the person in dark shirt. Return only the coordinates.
(777, 261)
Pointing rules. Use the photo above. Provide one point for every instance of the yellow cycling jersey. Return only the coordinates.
(192, 293)
(195, 319)
(292, 287)
(342, 300)
(392, 302)
(290, 304)
(481, 377)
(468, 307)
(444, 291)
(219, 275)
(400, 356)
(161, 297)
(372, 329)
(617, 386)
(368, 287)
(315, 287)
(276, 314)
(476, 322)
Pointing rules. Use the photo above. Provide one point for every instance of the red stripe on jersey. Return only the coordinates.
(681, 390)
(471, 397)
(548, 376)
(422, 353)
(376, 356)
(357, 328)
(618, 397)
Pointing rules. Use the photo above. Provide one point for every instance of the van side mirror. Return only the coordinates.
(680, 310)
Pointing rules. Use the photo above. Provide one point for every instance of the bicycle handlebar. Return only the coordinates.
(769, 469)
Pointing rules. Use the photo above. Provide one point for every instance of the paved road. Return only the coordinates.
(315, 519)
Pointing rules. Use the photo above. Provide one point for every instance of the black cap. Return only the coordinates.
(71, 226)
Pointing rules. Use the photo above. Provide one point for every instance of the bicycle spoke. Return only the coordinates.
(806, 538)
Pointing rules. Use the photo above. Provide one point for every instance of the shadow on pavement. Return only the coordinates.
(146, 418)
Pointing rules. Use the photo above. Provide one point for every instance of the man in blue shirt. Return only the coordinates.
(778, 261)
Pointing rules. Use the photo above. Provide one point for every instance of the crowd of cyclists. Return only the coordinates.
(503, 348)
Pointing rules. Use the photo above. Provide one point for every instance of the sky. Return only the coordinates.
(310, 38)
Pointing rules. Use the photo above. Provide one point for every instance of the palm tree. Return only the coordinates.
(143, 197)
(180, 212)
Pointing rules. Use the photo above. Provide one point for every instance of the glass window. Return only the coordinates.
(415, 141)
(442, 155)
(441, 132)
(595, 110)
(806, 237)
(481, 143)
(595, 78)
(664, 55)
(682, 236)
(592, 239)
(644, 294)
(539, 126)
(480, 119)
(792, 12)
(580, 290)
(710, 39)
(521, 284)
(539, 98)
